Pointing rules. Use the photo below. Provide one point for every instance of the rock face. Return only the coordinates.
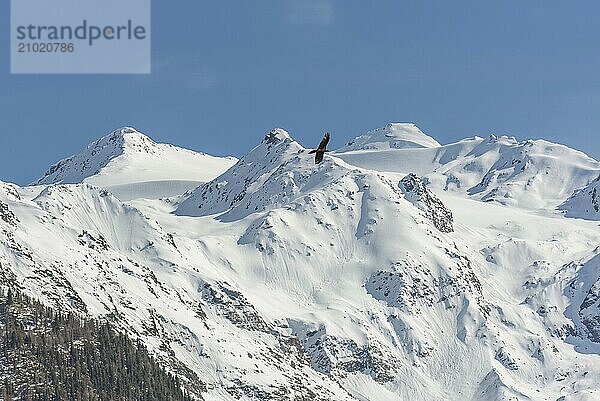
(584, 290)
(284, 280)
(7, 215)
(341, 357)
(415, 191)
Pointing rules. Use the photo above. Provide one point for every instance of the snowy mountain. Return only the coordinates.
(585, 202)
(533, 174)
(396, 269)
(131, 165)
(246, 182)
(392, 136)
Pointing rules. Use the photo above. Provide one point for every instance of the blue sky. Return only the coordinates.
(226, 72)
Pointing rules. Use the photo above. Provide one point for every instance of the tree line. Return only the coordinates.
(50, 356)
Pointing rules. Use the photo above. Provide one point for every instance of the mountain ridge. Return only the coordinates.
(132, 165)
(280, 279)
(534, 174)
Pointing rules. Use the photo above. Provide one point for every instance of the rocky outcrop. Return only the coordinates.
(417, 193)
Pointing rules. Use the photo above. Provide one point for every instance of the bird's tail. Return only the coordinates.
(312, 151)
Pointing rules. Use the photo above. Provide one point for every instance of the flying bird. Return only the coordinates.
(320, 151)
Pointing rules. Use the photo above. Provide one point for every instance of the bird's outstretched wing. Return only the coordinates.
(324, 142)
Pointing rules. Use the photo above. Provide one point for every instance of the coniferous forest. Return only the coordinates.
(45, 355)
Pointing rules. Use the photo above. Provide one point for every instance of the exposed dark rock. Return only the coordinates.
(7, 215)
(505, 359)
(232, 305)
(417, 193)
(335, 356)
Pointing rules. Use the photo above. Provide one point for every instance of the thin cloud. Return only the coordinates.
(180, 73)
(310, 12)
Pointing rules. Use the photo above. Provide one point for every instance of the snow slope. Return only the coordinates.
(348, 280)
(585, 202)
(131, 165)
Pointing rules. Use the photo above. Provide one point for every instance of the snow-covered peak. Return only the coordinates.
(126, 138)
(276, 135)
(531, 174)
(95, 156)
(392, 136)
(132, 165)
(121, 139)
(502, 139)
(266, 169)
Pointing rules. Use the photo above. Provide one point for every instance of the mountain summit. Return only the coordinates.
(260, 179)
(131, 165)
(97, 155)
(392, 136)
